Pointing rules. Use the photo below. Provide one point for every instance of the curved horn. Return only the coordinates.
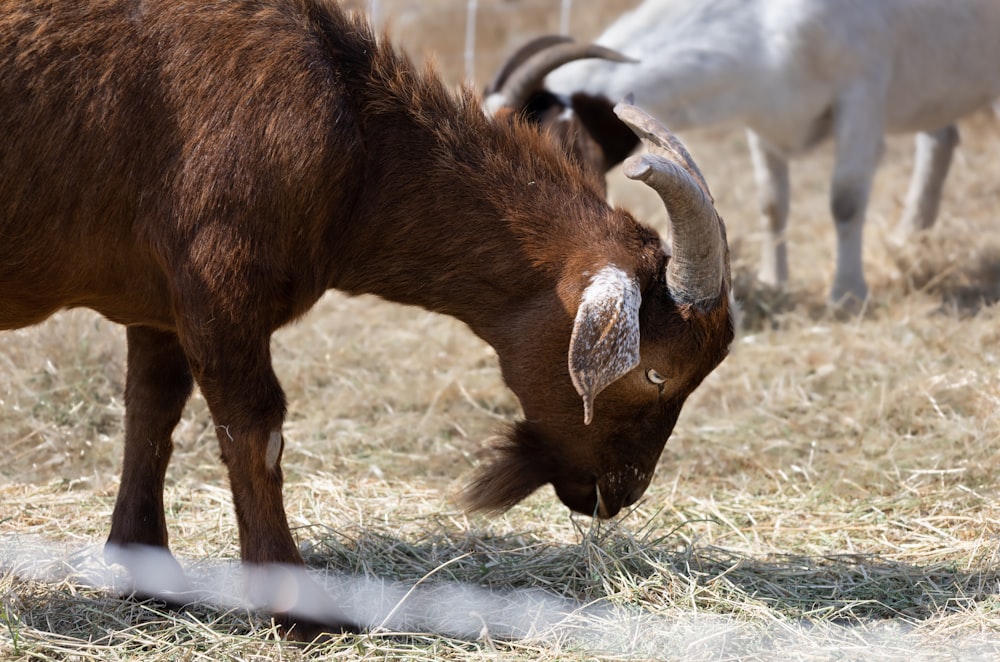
(521, 55)
(523, 75)
(699, 264)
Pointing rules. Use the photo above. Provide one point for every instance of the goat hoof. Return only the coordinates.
(849, 298)
(162, 602)
(306, 631)
(155, 574)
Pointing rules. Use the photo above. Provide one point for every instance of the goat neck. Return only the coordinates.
(501, 211)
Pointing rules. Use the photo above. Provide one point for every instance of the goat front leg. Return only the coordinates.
(157, 384)
(248, 406)
(932, 159)
(771, 174)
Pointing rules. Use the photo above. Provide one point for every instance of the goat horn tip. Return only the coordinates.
(634, 116)
(613, 55)
(637, 167)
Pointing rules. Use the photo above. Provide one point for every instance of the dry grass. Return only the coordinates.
(830, 492)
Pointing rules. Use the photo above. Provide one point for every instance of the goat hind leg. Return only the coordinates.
(931, 163)
(157, 385)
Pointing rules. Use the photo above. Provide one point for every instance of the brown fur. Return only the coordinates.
(203, 172)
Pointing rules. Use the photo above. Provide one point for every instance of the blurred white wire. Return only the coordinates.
(564, 10)
(478, 14)
(470, 40)
(473, 612)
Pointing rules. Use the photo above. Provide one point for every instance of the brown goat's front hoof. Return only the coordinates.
(162, 601)
(305, 631)
(304, 610)
(154, 574)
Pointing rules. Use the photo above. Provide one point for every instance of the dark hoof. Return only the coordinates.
(303, 609)
(154, 572)
(312, 632)
(161, 601)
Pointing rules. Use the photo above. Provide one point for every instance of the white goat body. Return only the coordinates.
(794, 72)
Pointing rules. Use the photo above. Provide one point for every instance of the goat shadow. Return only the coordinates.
(838, 587)
(519, 573)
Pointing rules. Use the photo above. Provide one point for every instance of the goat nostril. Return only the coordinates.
(633, 496)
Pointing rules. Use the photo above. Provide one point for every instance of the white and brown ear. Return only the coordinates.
(605, 341)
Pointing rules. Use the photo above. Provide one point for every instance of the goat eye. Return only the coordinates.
(655, 377)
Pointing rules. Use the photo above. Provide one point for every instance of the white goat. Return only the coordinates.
(794, 72)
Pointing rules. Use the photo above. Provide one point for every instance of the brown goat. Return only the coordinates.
(203, 172)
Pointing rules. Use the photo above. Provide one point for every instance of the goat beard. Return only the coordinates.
(512, 468)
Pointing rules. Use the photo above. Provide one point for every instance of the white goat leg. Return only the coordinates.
(771, 174)
(933, 158)
(858, 135)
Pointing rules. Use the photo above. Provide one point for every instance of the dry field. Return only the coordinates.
(830, 492)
